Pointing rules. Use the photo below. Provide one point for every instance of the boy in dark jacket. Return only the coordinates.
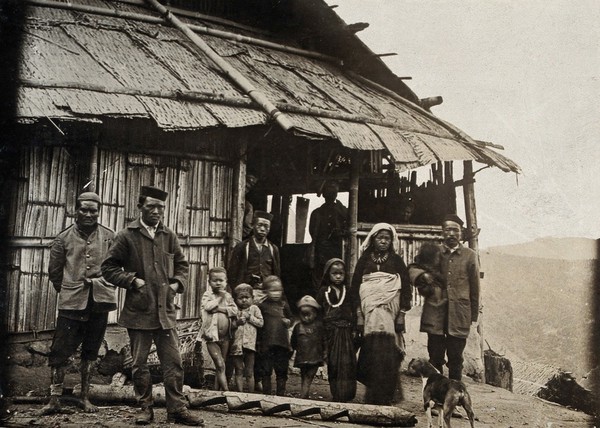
(274, 345)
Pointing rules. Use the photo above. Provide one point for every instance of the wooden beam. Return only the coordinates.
(352, 256)
(239, 196)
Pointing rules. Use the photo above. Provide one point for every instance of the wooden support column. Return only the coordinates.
(352, 256)
(239, 196)
(286, 200)
(93, 172)
(470, 208)
(471, 218)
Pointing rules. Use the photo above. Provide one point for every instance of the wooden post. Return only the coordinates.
(471, 218)
(470, 208)
(239, 196)
(352, 257)
(93, 172)
(286, 200)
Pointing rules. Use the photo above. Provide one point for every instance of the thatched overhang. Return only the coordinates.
(93, 61)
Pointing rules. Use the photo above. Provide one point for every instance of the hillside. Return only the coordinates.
(538, 308)
(551, 248)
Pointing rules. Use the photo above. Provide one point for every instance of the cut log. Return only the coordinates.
(498, 370)
(267, 404)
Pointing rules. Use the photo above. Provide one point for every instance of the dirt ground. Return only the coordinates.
(494, 407)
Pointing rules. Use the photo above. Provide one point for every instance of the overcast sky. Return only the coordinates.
(522, 74)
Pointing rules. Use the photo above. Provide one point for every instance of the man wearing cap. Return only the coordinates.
(146, 259)
(255, 258)
(460, 271)
(84, 297)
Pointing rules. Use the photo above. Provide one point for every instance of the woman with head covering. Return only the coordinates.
(339, 321)
(382, 287)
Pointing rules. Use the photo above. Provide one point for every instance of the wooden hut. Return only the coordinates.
(121, 93)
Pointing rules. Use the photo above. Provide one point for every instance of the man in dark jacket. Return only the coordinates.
(146, 259)
(85, 298)
(255, 258)
(449, 318)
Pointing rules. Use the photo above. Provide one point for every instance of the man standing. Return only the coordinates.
(84, 297)
(327, 227)
(459, 268)
(255, 258)
(146, 259)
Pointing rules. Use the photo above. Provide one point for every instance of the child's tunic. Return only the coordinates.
(245, 336)
(216, 325)
(274, 332)
(307, 340)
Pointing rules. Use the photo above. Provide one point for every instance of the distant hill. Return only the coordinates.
(537, 302)
(551, 248)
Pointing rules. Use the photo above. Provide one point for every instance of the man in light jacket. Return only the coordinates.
(84, 297)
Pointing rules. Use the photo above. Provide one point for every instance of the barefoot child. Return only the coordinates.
(243, 348)
(274, 339)
(307, 341)
(339, 322)
(218, 310)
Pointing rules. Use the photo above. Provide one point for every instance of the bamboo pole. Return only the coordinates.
(194, 96)
(471, 217)
(237, 77)
(239, 196)
(353, 212)
(93, 171)
(133, 16)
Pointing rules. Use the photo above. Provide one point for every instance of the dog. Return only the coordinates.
(438, 389)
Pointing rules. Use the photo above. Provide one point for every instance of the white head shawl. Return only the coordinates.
(376, 229)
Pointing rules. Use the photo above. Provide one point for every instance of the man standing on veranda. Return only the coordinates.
(84, 297)
(146, 259)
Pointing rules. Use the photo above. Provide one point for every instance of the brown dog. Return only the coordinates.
(438, 389)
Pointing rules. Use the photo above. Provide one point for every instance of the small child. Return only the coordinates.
(274, 348)
(218, 312)
(243, 348)
(339, 321)
(429, 277)
(307, 341)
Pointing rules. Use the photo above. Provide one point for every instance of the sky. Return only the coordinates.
(522, 74)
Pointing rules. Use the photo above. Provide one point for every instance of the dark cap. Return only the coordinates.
(454, 218)
(89, 196)
(153, 192)
(263, 214)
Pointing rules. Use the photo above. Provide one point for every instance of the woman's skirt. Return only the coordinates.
(341, 362)
(378, 365)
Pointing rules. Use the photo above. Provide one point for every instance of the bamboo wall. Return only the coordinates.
(46, 183)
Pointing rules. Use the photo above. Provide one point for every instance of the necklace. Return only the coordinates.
(338, 304)
(379, 260)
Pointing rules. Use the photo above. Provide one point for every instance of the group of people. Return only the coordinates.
(245, 316)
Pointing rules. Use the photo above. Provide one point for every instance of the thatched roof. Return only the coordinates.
(85, 65)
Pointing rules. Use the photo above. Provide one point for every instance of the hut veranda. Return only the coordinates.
(118, 94)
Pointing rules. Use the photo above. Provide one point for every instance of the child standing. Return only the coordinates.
(243, 348)
(307, 341)
(218, 312)
(339, 320)
(274, 345)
